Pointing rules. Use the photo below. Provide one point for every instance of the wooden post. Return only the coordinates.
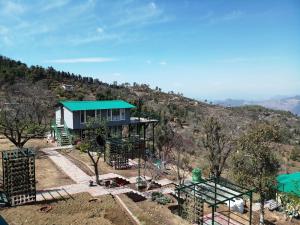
(250, 219)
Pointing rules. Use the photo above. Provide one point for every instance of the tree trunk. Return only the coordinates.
(96, 173)
(95, 164)
(262, 211)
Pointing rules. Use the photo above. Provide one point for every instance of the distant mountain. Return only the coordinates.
(291, 104)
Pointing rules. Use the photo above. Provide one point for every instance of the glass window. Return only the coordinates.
(82, 116)
(109, 115)
(122, 113)
(115, 114)
(98, 114)
(90, 114)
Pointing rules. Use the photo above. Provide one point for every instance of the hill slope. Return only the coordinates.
(185, 114)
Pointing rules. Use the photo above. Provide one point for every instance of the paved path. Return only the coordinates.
(164, 182)
(133, 180)
(57, 148)
(67, 166)
(80, 178)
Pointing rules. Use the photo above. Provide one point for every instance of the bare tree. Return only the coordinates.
(217, 145)
(173, 149)
(153, 169)
(24, 113)
(166, 141)
(180, 158)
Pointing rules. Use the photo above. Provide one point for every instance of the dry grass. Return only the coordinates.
(151, 213)
(47, 173)
(38, 143)
(76, 211)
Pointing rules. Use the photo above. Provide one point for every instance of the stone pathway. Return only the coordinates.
(75, 173)
(164, 182)
(80, 178)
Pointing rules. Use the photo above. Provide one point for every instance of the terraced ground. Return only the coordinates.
(77, 210)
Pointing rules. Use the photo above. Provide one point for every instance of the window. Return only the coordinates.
(116, 114)
(98, 114)
(82, 116)
(108, 115)
(86, 115)
(122, 113)
(90, 114)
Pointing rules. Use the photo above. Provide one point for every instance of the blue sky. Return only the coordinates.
(206, 49)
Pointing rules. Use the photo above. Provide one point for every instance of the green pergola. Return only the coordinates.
(213, 192)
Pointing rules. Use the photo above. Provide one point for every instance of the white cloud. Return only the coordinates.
(4, 36)
(232, 15)
(247, 59)
(93, 38)
(99, 30)
(50, 5)
(214, 18)
(81, 60)
(163, 63)
(3, 30)
(11, 8)
(141, 15)
(152, 5)
(78, 22)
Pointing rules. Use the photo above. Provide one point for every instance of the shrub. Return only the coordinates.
(160, 198)
(295, 154)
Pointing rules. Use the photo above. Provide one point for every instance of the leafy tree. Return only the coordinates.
(255, 164)
(217, 145)
(295, 153)
(23, 113)
(94, 142)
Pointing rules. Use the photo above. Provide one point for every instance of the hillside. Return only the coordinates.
(186, 114)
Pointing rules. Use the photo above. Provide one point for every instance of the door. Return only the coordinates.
(62, 119)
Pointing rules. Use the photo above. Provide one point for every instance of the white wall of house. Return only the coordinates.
(57, 115)
(68, 116)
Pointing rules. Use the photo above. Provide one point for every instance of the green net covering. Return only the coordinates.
(196, 175)
(289, 183)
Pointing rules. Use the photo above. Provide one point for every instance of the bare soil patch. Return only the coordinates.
(47, 173)
(36, 143)
(84, 159)
(275, 218)
(77, 211)
(151, 213)
(84, 162)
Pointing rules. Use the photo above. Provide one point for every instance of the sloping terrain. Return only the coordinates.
(186, 114)
(77, 211)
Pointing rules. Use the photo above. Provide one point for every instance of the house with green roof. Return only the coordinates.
(71, 118)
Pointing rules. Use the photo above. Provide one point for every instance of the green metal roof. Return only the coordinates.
(94, 105)
(289, 183)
